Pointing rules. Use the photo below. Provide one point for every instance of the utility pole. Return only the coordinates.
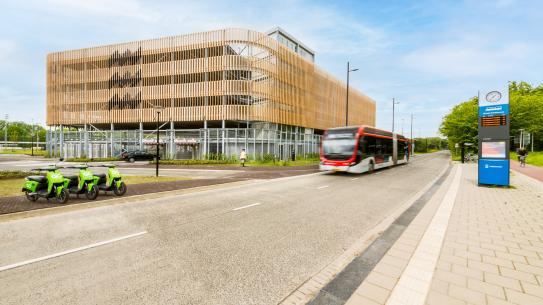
(6, 130)
(411, 131)
(521, 138)
(349, 70)
(393, 104)
(32, 138)
(158, 110)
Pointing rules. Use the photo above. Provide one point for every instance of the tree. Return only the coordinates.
(20, 131)
(461, 124)
(526, 112)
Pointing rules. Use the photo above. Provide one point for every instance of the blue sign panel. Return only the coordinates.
(494, 171)
(502, 109)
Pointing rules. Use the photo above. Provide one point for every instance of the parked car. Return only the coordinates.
(137, 155)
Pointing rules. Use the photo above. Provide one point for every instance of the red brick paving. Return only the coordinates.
(535, 172)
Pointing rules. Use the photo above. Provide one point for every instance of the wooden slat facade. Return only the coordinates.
(230, 74)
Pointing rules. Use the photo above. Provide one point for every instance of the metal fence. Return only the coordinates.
(183, 143)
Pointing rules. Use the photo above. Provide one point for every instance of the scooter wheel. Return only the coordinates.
(63, 196)
(93, 193)
(32, 198)
(121, 190)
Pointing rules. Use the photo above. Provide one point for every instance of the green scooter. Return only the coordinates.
(48, 186)
(112, 181)
(82, 183)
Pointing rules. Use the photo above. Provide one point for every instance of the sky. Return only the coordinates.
(428, 55)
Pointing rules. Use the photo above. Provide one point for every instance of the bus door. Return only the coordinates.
(394, 149)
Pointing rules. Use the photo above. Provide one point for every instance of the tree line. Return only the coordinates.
(526, 112)
(21, 131)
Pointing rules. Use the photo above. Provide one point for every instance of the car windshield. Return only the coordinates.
(338, 149)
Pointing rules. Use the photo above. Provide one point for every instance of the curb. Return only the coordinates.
(311, 288)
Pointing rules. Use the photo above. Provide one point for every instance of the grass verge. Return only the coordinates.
(22, 152)
(13, 174)
(91, 159)
(534, 158)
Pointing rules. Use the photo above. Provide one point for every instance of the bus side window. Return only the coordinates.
(369, 146)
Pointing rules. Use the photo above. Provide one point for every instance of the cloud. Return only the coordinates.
(8, 49)
(469, 59)
(104, 8)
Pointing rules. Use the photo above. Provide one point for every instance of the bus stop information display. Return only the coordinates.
(494, 137)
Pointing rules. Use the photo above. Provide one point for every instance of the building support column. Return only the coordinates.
(86, 145)
(296, 142)
(223, 151)
(254, 143)
(172, 140)
(111, 140)
(61, 148)
(141, 136)
(236, 137)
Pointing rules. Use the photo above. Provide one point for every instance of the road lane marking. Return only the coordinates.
(353, 179)
(322, 187)
(39, 259)
(246, 206)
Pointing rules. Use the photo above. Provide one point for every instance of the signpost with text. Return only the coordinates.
(494, 137)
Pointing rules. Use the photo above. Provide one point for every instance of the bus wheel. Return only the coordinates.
(371, 168)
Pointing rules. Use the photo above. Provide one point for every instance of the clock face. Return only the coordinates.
(493, 96)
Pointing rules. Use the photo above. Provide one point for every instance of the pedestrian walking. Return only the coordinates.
(242, 157)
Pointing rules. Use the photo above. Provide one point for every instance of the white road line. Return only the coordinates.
(322, 187)
(353, 179)
(39, 259)
(246, 206)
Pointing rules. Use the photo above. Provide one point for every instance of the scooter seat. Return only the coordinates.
(100, 175)
(39, 179)
(71, 177)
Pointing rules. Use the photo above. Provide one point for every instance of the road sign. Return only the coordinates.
(494, 137)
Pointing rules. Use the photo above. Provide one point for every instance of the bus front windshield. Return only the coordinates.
(338, 149)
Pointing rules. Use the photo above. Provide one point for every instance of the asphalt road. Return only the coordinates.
(242, 245)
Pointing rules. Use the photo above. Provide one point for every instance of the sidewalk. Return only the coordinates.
(468, 245)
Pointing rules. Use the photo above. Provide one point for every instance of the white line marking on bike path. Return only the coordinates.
(322, 187)
(246, 206)
(353, 179)
(39, 259)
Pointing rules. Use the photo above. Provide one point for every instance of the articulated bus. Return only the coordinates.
(359, 149)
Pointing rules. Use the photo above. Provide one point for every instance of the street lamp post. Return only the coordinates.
(349, 70)
(32, 139)
(521, 138)
(393, 109)
(411, 131)
(6, 130)
(158, 110)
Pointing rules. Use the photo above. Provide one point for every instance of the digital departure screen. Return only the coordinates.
(498, 120)
(493, 149)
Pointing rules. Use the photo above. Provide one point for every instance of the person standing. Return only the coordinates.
(242, 157)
